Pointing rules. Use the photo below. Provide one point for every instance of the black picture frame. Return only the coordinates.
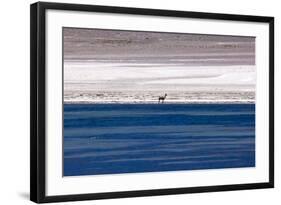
(38, 101)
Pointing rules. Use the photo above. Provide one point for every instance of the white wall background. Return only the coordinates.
(14, 100)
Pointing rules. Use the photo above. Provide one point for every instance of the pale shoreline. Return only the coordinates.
(127, 67)
(166, 102)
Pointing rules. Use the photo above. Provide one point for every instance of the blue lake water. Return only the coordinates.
(130, 138)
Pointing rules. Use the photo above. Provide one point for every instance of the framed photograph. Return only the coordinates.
(129, 102)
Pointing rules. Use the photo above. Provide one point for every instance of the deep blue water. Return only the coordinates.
(129, 138)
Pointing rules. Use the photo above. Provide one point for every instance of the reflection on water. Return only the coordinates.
(129, 138)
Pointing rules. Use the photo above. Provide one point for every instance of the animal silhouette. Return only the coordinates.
(162, 98)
